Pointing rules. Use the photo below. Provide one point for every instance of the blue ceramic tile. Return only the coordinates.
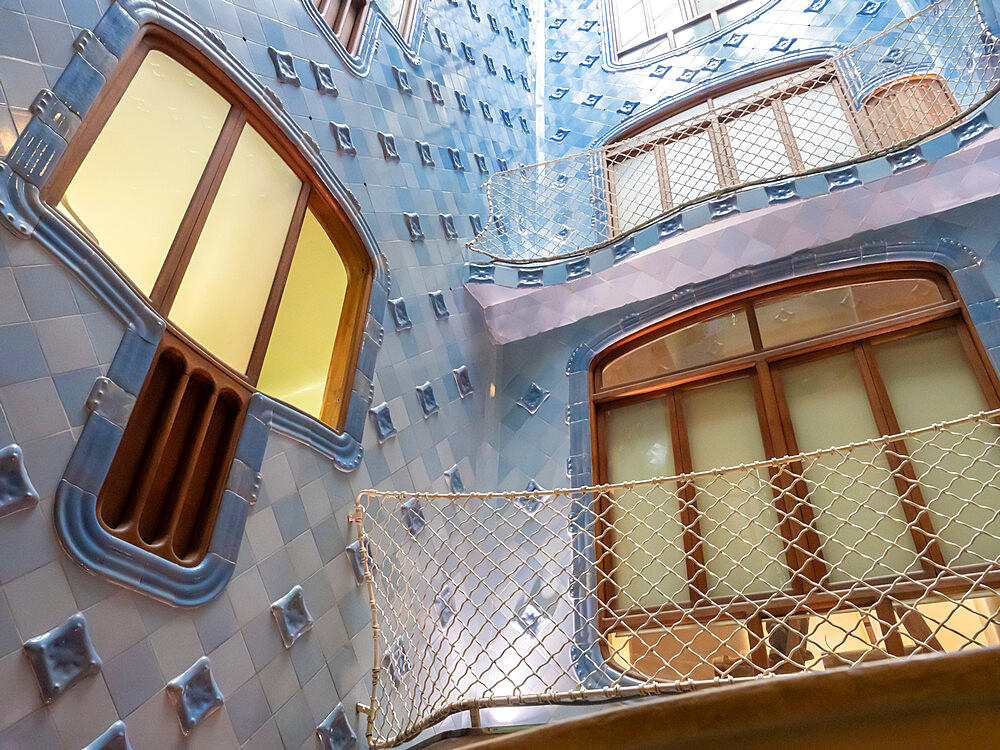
(292, 616)
(195, 694)
(62, 657)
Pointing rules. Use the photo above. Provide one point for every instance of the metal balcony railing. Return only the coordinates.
(912, 80)
(872, 551)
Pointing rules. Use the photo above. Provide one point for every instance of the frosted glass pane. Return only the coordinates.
(700, 343)
(809, 314)
(155, 146)
(301, 347)
(637, 190)
(744, 551)
(930, 380)
(649, 542)
(757, 146)
(225, 288)
(820, 127)
(692, 32)
(631, 22)
(858, 513)
(691, 168)
(667, 15)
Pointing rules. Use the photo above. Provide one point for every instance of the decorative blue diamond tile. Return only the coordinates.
(435, 91)
(509, 74)
(400, 318)
(523, 122)
(491, 66)
(382, 422)
(335, 731)
(463, 102)
(463, 381)
(587, 25)
(62, 657)
(402, 80)
(556, 23)
(425, 397)
(687, 75)
(468, 53)
(388, 143)
(558, 93)
(530, 503)
(816, 6)
(16, 491)
(324, 78)
(413, 227)
(735, 40)
(783, 44)
(627, 108)
(444, 604)
(292, 616)
(455, 483)
(524, 83)
(659, 71)
(474, 11)
(194, 694)
(528, 618)
(413, 516)
(113, 738)
(477, 224)
(895, 56)
(781, 192)
(589, 60)
(723, 207)
(448, 225)
(357, 564)
(871, 8)
(558, 56)
(501, 164)
(284, 66)
(713, 64)
(438, 305)
(510, 36)
(455, 157)
(533, 398)
(443, 42)
(560, 135)
(342, 136)
(505, 117)
(591, 100)
(481, 165)
(395, 662)
(494, 23)
(426, 157)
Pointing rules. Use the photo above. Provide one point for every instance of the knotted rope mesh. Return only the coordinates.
(913, 79)
(871, 551)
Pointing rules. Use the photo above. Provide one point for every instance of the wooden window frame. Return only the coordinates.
(348, 18)
(714, 123)
(765, 366)
(689, 17)
(244, 112)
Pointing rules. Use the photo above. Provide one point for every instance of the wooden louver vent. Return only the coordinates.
(164, 488)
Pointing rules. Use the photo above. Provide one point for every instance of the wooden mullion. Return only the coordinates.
(687, 493)
(911, 498)
(604, 533)
(186, 239)
(270, 313)
(787, 137)
(663, 178)
(722, 152)
(986, 381)
(889, 625)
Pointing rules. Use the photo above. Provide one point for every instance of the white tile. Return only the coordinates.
(114, 624)
(279, 682)
(154, 725)
(315, 501)
(247, 595)
(263, 533)
(65, 344)
(40, 600)
(84, 711)
(18, 688)
(231, 664)
(304, 556)
(176, 645)
(33, 409)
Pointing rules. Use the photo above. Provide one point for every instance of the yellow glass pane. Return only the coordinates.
(743, 548)
(820, 311)
(649, 542)
(226, 285)
(857, 508)
(301, 347)
(700, 343)
(930, 380)
(154, 149)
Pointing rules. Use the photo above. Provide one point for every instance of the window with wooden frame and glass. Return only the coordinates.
(347, 18)
(210, 213)
(644, 28)
(778, 126)
(827, 361)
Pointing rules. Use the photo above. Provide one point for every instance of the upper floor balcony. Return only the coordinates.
(751, 143)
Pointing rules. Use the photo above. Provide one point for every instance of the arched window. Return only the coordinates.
(209, 212)
(825, 361)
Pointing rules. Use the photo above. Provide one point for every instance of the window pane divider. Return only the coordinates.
(687, 494)
(182, 248)
(266, 327)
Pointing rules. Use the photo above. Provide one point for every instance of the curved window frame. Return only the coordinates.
(777, 433)
(348, 19)
(314, 196)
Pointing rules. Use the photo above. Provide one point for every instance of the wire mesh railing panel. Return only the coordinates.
(871, 551)
(911, 80)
